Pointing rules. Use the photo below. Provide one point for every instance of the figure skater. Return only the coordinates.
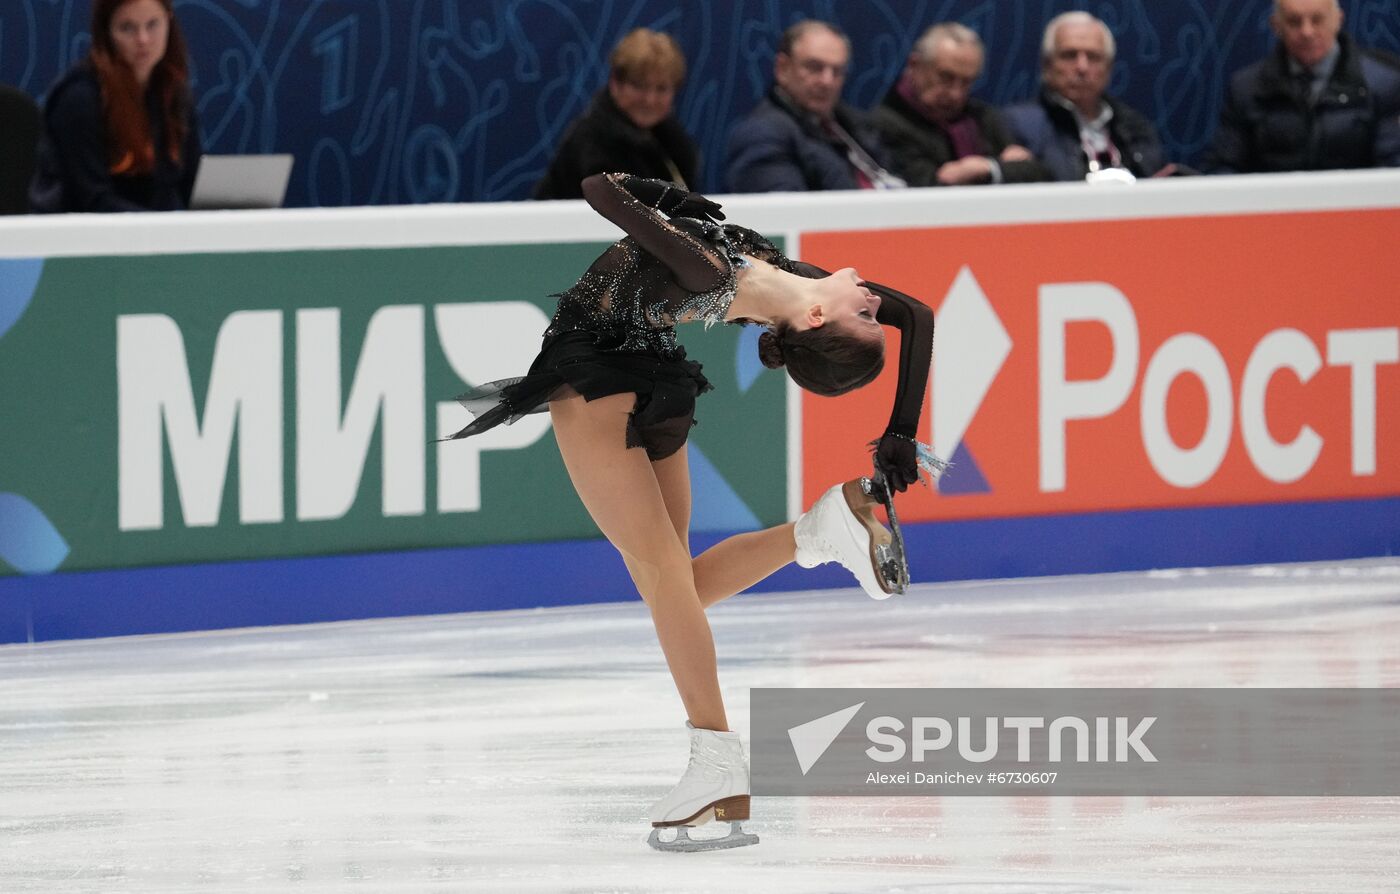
(621, 395)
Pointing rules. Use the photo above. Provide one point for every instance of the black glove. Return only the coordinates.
(897, 459)
(697, 206)
(650, 192)
(671, 200)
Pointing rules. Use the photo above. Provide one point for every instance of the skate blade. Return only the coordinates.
(891, 561)
(862, 500)
(682, 843)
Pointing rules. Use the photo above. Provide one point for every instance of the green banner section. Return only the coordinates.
(190, 408)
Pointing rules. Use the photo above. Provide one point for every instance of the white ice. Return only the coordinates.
(519, 751)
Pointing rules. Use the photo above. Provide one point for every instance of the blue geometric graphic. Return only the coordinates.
(28, 540)
(29, 543)
(747, 366)
(716, 505)
(963, 475)
(18, 279)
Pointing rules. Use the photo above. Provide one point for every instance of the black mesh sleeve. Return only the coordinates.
(697, 265)
(914, 320)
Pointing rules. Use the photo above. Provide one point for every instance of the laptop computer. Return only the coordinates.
(241, 181)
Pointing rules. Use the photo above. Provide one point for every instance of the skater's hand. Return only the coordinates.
(697, 206)
(670, 199)
(897, 459)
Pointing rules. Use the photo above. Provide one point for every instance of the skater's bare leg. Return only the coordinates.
(735, 563)
(673, 477)
(620, 489)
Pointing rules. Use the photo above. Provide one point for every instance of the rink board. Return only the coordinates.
(75, 605)
(228, 419)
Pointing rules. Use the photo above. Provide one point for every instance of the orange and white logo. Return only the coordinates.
(1138, 364)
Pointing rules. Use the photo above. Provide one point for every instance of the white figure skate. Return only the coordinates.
(715, 787)
(841, 527)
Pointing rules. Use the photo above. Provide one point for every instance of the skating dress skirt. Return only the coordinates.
(577, 361)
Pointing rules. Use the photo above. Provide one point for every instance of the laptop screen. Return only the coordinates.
(241, 181)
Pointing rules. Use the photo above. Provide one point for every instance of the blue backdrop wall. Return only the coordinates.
(407, 101)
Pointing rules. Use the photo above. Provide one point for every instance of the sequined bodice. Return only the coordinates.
(666, 272)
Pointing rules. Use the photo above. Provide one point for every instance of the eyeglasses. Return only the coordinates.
(816, 68)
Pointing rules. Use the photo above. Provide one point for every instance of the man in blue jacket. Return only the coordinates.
(1074, 127)
(801, 136)
(1318, 101)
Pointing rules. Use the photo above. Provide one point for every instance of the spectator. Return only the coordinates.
(120, 132)
(936, 133)
(801, 136)
(1317, 101)
(1074, 127)
(629, 127)
(19, 135)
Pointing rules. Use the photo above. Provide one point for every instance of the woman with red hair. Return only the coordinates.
(120, 132)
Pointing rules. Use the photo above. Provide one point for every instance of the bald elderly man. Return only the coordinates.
(1317, 102)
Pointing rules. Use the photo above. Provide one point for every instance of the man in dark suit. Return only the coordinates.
(936, 132)
(801, 136)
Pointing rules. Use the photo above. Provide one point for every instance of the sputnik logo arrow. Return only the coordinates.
(810, 740)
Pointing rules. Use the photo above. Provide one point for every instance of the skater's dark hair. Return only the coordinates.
(823, 360)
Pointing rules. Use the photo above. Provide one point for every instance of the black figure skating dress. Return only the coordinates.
(614, 330)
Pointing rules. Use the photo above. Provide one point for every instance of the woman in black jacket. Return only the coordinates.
(630, 126)
(120, 132)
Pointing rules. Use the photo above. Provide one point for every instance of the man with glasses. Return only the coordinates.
(936, 132)
(801, 136)
(1074, 127)
(1318, 101)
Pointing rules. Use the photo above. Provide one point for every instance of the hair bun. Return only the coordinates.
(770, 350)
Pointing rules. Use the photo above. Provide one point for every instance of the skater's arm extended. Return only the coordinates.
(914, 320)
(638, 206)
(896, 453)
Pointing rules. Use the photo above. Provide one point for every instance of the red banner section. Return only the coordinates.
(1105, 365)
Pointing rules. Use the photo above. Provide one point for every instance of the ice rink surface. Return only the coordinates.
(519, 751)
